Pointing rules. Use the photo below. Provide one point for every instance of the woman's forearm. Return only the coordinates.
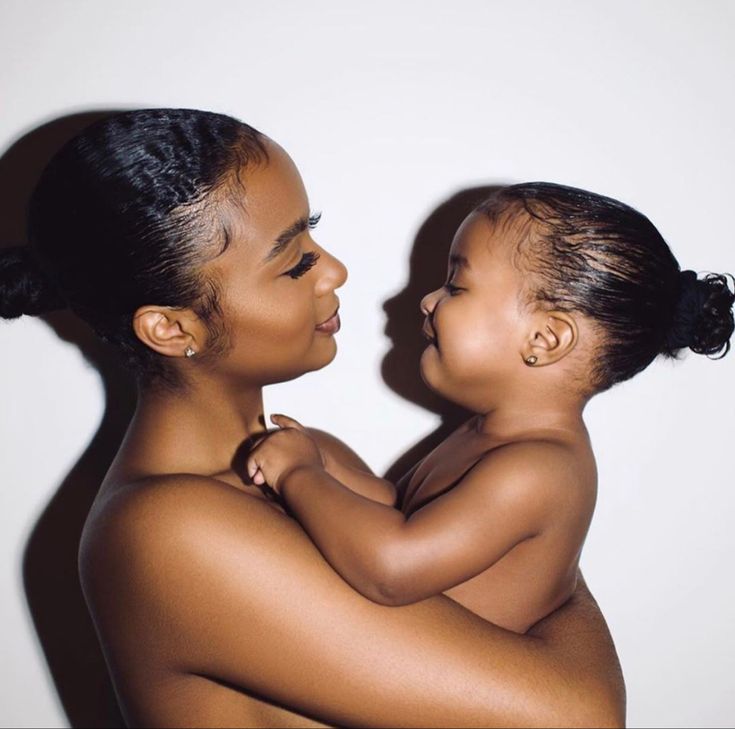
(267, 606)
(563, 672)
(576, 638)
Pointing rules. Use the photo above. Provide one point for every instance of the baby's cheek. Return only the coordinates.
(471, 347)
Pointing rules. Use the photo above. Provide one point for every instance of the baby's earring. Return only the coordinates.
(531, 360)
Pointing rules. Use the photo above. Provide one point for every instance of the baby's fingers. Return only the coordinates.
(283, 421)
(252, 468)
(253, 465)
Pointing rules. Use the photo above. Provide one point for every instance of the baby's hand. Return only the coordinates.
(281, 452)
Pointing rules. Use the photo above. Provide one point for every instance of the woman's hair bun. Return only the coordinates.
(703, 318)
(24, 288)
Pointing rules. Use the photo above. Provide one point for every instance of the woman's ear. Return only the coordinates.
(168, 331)
(553, 336)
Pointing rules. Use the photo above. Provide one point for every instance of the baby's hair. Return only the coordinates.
(124, 215)
(597, 256)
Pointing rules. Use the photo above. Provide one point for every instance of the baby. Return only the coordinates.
(553, 295)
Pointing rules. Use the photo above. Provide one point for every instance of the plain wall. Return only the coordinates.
(390, 109)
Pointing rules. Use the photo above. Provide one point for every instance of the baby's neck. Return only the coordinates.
(517, 421)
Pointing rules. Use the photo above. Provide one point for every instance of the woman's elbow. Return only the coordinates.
(385, 595)
(600, 706)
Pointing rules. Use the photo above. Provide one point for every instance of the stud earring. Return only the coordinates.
(189, 352)
(531, 360)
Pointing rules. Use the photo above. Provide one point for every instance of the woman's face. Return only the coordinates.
(277, 284)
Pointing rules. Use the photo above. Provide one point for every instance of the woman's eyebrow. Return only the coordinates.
(287, 236)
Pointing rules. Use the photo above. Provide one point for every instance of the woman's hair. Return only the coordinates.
(123, 216)
(594, 255)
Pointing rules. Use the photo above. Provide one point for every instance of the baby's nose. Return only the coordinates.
(428, 303)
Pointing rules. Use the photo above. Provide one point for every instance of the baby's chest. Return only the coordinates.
(438, 473)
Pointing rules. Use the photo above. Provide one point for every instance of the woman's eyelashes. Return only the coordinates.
(307, 262)
(309, 259)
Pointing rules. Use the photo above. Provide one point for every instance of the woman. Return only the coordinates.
(183, 238)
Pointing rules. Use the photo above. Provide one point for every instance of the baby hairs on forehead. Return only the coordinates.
(128, 212)
(593, 255)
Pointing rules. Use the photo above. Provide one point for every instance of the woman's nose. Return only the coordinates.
(428, 303)
(333, 273)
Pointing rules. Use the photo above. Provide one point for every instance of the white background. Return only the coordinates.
(389, 108)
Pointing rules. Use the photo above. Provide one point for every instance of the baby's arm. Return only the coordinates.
(395, 560)
(346, 466)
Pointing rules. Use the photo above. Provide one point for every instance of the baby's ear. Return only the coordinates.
(553, 335)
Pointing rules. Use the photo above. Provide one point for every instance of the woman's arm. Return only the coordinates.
(233, 590)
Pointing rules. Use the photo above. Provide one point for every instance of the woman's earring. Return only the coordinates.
(531, 360)
(189, 352)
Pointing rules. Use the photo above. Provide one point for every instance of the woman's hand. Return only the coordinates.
(281, 452)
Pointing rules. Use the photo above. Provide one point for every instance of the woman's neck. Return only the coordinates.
(196, 431)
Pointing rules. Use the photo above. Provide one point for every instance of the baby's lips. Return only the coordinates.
(428, 332)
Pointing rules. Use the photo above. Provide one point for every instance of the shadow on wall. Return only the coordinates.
(400, 366)
(50, 575)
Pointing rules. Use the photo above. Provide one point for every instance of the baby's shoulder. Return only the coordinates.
(536, 455)
(543, 469)
(337, 449)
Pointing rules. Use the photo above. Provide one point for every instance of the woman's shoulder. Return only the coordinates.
(164, 519)
(157, 504)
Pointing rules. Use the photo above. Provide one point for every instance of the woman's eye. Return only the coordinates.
(451, 289)
(307, 262)
(314, 220)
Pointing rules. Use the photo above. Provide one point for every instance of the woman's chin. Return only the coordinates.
(313, 363)
(328, 360)
(328, 353)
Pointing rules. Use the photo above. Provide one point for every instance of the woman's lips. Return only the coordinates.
(331, 325)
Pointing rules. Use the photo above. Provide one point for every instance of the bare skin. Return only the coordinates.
(496, 516)
(496, 526)
(213, 606)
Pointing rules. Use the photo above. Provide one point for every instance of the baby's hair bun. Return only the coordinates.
(24, 289)
(703, 319)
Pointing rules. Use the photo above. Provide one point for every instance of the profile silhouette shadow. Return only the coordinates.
(51, 580)
(400, 365)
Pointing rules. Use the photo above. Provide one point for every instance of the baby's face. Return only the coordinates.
(476, 322)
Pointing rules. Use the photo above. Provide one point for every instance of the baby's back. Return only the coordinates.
(556, 491)
(531, 581)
